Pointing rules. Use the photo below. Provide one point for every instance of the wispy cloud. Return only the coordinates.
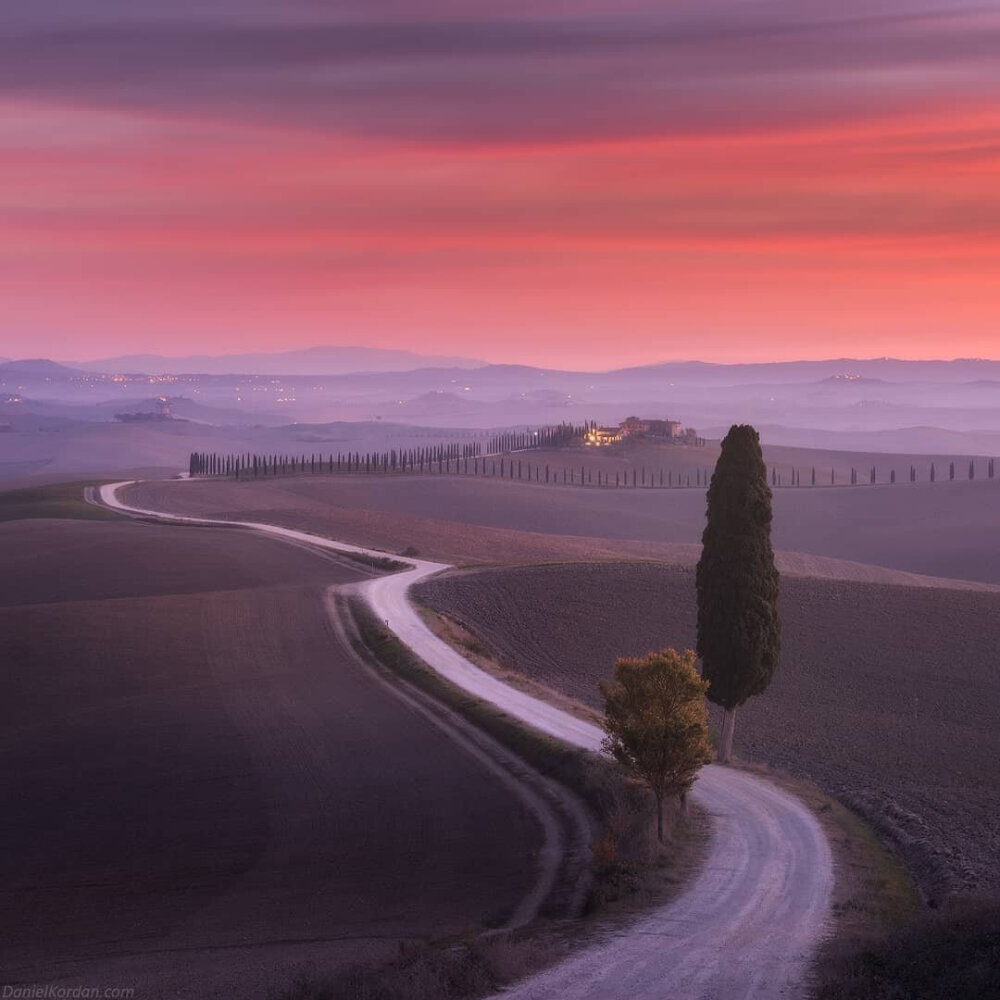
(477, 72)
(532, 170)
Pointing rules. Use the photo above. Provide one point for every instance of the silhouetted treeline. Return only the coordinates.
(443, 460)
(468, 460)
(253, 466)
(871, 475)
(496, 456)
(545, 437)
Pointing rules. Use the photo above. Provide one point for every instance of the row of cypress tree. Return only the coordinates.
(450, 460)
(544, 437)
(795, 475)
(469, 459)
(248, 465)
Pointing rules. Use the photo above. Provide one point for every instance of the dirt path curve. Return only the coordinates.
(749, 924)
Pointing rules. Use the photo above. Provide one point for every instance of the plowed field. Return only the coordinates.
(886, 696)
(202, 790)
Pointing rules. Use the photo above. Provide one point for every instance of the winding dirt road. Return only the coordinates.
(749, 924)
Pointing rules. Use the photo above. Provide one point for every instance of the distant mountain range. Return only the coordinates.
(879, 404)
(904, 440)
(310, 361)
(37, 368)
(841, 369)
(373, 362)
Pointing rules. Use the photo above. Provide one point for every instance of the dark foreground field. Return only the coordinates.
(886, 696)
(202, 790)
(943, 530)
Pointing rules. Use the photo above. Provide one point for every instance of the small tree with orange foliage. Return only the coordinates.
(657, 723)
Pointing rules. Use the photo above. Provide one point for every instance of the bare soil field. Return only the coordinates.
(947, 530)
(886, 696)
(203, 791)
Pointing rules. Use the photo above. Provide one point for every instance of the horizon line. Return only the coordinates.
(527, 364)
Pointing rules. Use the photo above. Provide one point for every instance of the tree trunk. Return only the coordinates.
(659, 818)
(726, 741)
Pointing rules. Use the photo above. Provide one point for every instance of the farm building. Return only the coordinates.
(603, 435)
(636, 427)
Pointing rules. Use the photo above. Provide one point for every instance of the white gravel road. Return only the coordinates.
(746, 927)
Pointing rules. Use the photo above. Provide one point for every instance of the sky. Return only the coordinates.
(586, 184)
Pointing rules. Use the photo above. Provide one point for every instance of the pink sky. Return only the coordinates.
(525, 194)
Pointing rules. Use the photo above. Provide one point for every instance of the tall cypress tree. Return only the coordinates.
(739, 631)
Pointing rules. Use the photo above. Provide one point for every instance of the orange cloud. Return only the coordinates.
(879, 238)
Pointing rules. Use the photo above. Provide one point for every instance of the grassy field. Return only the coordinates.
(944, 530)
(623, 811)
(953, 953)
(204, 792)
(61, 500)
(614, 867)
(886, 696)
(916, 666)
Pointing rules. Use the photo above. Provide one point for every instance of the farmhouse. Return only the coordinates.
(603, 435)
(636, 427)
